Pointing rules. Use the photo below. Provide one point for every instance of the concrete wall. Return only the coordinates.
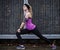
(45, 15)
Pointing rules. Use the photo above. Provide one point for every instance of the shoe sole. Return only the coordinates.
(20, 48)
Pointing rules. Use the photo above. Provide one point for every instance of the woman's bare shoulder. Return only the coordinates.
(29, 14)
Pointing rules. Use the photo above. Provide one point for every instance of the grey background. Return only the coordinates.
(45, 15)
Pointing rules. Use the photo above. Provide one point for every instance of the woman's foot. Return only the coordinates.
(20, 47)
(53, 46)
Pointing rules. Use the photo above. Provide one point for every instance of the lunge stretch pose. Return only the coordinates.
(27, 27)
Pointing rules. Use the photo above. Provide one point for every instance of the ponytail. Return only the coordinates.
(30, 10)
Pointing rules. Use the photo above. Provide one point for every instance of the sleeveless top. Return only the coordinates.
(29, 25)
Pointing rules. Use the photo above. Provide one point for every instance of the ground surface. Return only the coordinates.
(28, 47)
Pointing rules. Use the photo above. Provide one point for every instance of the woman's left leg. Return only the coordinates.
(36, 32)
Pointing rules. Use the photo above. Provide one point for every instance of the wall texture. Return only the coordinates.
(45, 15)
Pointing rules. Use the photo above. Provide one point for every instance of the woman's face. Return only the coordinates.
(25, 9)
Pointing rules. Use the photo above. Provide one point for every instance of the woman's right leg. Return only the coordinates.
(21, 46)
(18, 34)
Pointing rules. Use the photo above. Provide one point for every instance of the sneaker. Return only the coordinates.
(20, 47)
(53, 47)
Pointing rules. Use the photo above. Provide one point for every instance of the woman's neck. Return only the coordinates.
(25, 13)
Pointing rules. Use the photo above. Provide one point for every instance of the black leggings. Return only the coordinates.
(35, 31)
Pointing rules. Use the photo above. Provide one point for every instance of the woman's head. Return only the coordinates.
(27, 8)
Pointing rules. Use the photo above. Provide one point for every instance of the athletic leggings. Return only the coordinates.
(35, 31)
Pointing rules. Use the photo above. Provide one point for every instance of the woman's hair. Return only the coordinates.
(29, 8)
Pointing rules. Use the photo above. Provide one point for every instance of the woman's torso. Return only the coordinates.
(29, 25)
(28, 22)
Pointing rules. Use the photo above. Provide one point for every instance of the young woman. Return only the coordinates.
(29, 27)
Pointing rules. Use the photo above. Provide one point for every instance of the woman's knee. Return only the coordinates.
(17, 33)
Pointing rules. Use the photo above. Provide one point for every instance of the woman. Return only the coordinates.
(28, 27)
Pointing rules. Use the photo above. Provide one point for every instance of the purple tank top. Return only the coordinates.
(29, 25)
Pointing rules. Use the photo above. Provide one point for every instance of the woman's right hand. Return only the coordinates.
(18, 30)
